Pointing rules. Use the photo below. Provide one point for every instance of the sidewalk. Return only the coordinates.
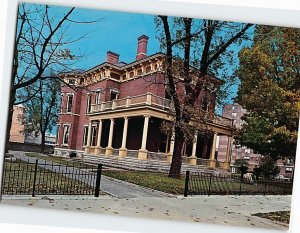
(227, 210)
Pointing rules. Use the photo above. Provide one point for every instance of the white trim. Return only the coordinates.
(72, 105)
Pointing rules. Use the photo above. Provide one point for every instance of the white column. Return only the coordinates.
(88, 143)
(195, 144)
(111, 133)
(124, 137)
(145, 133)
(143, 154)
(109, 149)
(213, 148)
(99, 133)
(98, 147)
(212, 157)
(123, 150)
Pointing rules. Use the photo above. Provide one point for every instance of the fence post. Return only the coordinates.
(186, 185)
(241, 180)
(209, 184)
(34, 178)
(98, 178)
(265, 187)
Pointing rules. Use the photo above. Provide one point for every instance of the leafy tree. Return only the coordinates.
(270, 91)
(268, 167)
(257, 172)
(242, 166)
(206, 46)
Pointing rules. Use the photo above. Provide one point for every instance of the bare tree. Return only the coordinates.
(202, 46)
(40, 52)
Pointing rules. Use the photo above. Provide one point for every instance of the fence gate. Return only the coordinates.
(36, 178)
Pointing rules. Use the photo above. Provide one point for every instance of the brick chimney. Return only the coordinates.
(112, 57)
(142, 47)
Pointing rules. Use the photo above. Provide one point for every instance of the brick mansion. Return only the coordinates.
(117, 109)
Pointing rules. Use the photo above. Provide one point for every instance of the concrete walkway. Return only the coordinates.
(226, 210)
(114, 187)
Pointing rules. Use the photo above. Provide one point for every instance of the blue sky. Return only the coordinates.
(117, 32)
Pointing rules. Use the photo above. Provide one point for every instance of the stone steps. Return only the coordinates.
(141, 165)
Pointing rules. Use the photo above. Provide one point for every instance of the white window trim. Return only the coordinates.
(98, 96)
(94, 128)
(69, 94)
(63, 144)
(58, 127)
(83, 142)
(116, 91)
(88, 102)
(61, 102)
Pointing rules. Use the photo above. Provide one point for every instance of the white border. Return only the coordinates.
(283, 13)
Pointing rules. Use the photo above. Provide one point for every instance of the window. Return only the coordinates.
(72, 81)
(85, 135)
(205, 104)
(57, 135)
(131, 74)
(69, 103)
(88, 103)
(234, 107)
(289, 170)
(234, 114)
(139, 72)
(114, 95)
(61, 102)
(66, 134)
(94, 135)
(148, 69)
(98, 97)
(115, 76)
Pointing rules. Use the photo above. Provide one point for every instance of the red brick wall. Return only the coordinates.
(153, 84)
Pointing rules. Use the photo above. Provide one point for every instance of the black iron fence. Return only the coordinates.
(41, 178)
(211, 184)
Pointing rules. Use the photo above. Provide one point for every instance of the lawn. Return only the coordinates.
(279, 216)
(198, 185)
(18, 178)
(158, 181)
(61, 160)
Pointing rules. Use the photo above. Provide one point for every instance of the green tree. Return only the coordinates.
(269, 72)
(268, 167)
(205, 45)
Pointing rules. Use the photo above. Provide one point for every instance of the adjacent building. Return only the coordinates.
(235, 112)
(117, 108)
(18, 126)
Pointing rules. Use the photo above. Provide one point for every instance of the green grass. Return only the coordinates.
(61, 160)
(162, 182)
(19, 176)
(279, 216)
(156, 181)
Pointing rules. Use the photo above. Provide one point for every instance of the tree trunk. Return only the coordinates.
(12, 100)
(43, 135)
(175, 169)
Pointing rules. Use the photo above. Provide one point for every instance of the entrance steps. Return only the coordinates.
(129, 163)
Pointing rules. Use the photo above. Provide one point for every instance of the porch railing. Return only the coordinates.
(148, 100)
